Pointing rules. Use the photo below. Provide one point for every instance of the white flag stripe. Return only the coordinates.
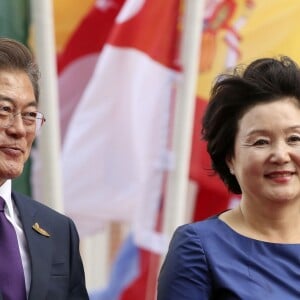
(118, 136)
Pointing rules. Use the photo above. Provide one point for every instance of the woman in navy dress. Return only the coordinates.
(251, 252)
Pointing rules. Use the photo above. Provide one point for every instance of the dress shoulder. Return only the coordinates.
(185, 271)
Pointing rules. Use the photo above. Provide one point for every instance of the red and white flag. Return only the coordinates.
(116, 91)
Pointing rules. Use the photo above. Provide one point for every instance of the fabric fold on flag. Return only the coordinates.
(117, 81)
(116, 139)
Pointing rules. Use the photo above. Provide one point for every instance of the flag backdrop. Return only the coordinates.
(117, 76)
(117, 123)
(97, 43)
(14, 19)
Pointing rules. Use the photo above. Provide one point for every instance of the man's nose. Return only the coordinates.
(17, 125)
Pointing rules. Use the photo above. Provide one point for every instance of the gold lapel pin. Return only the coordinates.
(40, 230)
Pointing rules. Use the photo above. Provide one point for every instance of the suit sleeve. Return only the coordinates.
(77, 279)
(184, 274)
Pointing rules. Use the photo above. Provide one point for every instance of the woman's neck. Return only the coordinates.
(276, 224)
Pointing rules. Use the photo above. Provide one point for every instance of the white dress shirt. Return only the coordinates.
(12, 214)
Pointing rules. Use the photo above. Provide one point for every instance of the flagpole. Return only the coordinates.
(175, 205)
(49, 139)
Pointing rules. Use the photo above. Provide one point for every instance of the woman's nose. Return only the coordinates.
(280, 153)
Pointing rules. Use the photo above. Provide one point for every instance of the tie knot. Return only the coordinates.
(2, 204)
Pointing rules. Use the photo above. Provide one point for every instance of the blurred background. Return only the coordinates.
(124, 85)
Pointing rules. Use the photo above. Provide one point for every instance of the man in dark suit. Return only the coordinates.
(47, 243)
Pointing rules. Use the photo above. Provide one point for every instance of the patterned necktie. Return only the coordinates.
(12, 283)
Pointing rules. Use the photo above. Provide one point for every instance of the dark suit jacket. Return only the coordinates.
(56, 266)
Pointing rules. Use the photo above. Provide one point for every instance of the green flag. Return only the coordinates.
(14, 19)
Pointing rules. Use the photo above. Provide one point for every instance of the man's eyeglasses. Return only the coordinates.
(32, 120)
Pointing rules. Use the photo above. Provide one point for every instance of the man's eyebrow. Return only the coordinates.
(11, 100)
(5, 98)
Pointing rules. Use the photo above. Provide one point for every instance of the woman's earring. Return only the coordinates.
(231, 171)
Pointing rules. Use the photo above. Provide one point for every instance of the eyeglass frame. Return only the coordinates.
(10, 116)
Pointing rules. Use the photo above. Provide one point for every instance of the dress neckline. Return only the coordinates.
(233, 231)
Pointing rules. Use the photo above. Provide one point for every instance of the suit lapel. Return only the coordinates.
(39, 245)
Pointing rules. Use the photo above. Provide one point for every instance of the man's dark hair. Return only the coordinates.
(16, 56)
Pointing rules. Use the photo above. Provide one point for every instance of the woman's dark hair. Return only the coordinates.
(232, 95)
(16, 56)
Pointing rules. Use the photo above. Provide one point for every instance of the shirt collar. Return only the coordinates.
(5, 193)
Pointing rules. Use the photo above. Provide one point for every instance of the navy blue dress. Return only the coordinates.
(209, 260)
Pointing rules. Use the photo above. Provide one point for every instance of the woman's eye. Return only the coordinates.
(294, 138)
(260, 142)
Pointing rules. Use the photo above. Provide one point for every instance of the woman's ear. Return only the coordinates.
(230, 164)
